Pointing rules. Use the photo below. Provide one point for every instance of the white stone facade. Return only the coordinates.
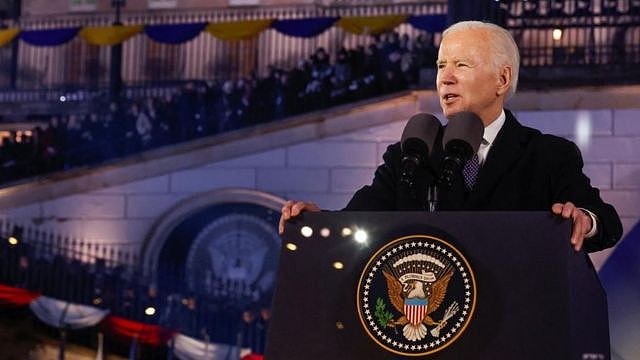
(326, 170)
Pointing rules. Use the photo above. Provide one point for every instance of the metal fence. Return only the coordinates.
(575, 33)
(589, 35)
(46, 244)
(107, 276)
(79, 64)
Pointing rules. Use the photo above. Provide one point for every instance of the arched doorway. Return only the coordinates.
(216, 258)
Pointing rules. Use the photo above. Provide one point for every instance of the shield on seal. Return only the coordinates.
(415, 310)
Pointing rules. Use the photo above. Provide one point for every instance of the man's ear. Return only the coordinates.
(504, 80)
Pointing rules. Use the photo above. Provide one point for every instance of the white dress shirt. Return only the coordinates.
(490, 133)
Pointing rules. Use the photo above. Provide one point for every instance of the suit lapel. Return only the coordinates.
(505, 151)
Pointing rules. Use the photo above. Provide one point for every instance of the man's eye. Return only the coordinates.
(462, 65)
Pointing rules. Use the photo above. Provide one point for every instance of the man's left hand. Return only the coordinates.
(581, 222)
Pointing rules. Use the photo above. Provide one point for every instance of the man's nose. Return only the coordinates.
(446, 75)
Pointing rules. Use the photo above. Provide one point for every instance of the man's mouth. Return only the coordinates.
(449, 98)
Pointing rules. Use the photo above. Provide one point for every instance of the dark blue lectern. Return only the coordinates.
(448, 285)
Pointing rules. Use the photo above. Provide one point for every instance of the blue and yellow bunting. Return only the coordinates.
(7, 35)
(109, 35)
(238, 30)
(227, 31)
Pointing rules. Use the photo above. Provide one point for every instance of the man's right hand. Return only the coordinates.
(293, 208)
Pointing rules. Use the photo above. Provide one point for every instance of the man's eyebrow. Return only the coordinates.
(456, 60)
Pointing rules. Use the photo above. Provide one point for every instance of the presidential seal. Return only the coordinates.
(416, 295)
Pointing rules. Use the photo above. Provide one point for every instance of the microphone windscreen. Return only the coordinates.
(421, 128)
(465, 126)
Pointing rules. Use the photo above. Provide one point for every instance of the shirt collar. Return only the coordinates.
(491, 131)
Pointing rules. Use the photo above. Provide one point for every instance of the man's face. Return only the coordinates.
(467, 80)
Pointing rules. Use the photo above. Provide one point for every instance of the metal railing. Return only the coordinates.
(595, 34)
(107, 276)
(80, 64)
(47, 244)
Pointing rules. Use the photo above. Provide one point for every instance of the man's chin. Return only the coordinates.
(449, 112)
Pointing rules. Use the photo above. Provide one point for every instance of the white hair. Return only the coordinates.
(503, 45)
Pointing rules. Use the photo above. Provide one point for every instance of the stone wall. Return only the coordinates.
(328, 169)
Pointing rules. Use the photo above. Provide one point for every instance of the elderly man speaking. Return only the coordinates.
(519, 168)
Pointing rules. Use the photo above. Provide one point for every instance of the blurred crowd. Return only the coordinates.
(391, 63)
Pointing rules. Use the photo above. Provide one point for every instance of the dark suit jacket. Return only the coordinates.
(524, 170)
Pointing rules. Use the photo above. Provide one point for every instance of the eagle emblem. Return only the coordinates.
(416, 295)
(416, 300)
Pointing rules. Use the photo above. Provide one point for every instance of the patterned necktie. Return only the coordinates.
(470, 171)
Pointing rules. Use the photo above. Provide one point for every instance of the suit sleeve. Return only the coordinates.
(381, 194)
(569, 183)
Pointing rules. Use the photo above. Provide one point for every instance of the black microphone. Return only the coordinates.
(462, 138)
(418, 139)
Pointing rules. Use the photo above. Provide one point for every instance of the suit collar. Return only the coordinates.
(507, 148)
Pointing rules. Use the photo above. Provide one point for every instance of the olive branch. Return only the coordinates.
(382, 316)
